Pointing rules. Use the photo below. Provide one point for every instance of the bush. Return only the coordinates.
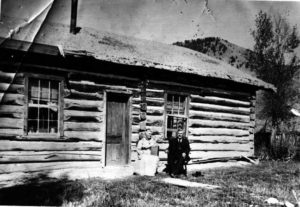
(283, 147)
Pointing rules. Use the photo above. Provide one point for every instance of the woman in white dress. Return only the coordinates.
(146, 163)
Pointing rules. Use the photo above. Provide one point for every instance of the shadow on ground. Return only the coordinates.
(42, 190)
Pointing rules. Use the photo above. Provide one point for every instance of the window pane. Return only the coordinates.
(43, 120)
(45, 91)
(53, 126)
(175, 123)
(53, 114)
(33, 90)
(176, 104)
(43, 116)
(54, 91)
(32, 126)
(43, 126)
(32, 113)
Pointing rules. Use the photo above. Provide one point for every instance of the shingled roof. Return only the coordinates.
(132, 51)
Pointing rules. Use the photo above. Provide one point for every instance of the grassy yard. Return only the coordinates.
(239, 187)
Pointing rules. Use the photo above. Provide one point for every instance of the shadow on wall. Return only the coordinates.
(42, 190)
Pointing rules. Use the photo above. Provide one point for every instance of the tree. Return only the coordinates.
(275, 62)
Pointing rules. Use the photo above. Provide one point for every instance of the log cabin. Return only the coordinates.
(73, 103)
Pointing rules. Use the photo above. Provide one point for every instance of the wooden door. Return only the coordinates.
(117, 129)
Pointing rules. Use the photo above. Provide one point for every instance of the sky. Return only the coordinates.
(165, 21)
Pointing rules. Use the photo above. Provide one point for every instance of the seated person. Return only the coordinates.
(146, 163)
(178, 154)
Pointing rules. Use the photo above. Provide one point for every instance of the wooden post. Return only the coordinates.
(252, 122)
(73, 16)
(143, 105)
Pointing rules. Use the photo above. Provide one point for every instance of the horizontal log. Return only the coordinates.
(218, 116)
(86, 114)
(219, 108)
(12, 99)
(85, 87)
(243, 147)
(18, 115)
(136, 105)
(203, 155)
(218, 131)
(82, 113)
(155, 90)
(155, 110)
(7, 109)
(154, 129)
(11, 77)
(219, 139)
(88, 86)
(48, 156)
(155, 101)
(151, 93)
(6, 132)
(85, 105)
(47, 166)
(151, 101)
(84, 135)
(134, 137)
(73, 94)
(242, 96)
(6, 77)
(196, 123)
(135, 120)
(136, 100)
(135, 129)
(104, 79)
(11, 88)
(219, 101)
(154, 122)
(11, 123)
(82, 126)
(84, 119)
(26, 145)
(135, 111)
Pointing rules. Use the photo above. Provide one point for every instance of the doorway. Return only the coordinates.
(117, 129)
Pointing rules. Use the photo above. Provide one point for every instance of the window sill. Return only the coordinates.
(42, 136)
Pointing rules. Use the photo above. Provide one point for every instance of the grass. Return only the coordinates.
(240, 187)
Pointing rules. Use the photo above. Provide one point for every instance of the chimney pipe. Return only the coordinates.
(73, 16)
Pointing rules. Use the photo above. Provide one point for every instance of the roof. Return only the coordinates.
(132, 51)
(44, 23)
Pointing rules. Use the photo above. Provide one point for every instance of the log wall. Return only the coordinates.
(220, 123)
(11, 102)
(81, 141)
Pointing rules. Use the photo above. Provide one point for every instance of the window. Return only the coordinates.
(44, 107)
(176, 114)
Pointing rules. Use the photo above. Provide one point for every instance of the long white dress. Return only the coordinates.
(147, 163)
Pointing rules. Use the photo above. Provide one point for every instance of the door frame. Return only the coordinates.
(127, 93)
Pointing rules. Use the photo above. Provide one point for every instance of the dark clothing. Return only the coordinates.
(176, 161)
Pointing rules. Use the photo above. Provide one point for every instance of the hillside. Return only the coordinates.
(222, 50)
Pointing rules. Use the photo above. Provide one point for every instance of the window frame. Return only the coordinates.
(186, 111)
(60, 115)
